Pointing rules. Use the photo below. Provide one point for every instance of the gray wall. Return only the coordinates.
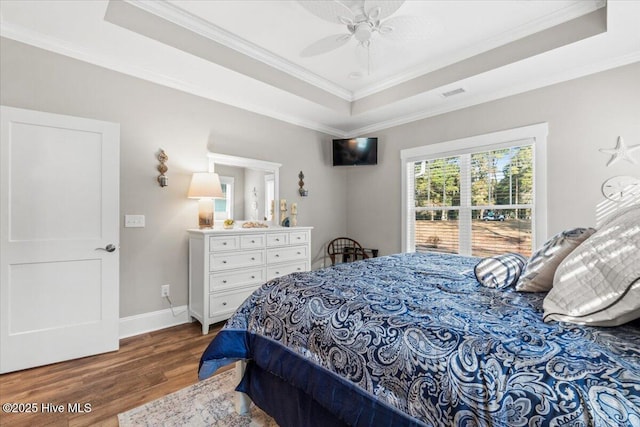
(584, 115)
(185, 126)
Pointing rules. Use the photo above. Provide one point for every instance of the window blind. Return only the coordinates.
(477, 201)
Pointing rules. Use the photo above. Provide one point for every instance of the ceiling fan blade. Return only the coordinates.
(331, 11)
(386, 7)
(408, 28)
(325, 45)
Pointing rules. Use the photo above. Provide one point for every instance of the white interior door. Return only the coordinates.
(59, 206)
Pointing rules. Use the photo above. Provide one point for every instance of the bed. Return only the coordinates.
(414, 339)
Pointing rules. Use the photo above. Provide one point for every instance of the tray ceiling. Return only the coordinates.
(248, 53)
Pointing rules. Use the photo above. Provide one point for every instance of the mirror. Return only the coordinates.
(250, 187)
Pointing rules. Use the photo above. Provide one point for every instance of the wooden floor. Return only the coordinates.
(146, 367)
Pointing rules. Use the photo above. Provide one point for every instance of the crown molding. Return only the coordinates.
(560, 77)
(564, 15)
(52, 44)
(213, 32)
(207, 29)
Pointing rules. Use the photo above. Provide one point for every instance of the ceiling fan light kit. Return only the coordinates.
(362, 33)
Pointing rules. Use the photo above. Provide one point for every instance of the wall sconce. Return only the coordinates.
(205, 186)
(163, 180)
(301, 190)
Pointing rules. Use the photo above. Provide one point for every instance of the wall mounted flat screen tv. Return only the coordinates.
(355, 152)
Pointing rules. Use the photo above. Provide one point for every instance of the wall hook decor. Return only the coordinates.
(301, 190)
(163, 180)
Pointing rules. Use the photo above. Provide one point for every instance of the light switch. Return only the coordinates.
(134, 221)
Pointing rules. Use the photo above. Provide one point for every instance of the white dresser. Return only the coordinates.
(226, 266)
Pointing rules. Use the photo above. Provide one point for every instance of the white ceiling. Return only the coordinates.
(247, 53)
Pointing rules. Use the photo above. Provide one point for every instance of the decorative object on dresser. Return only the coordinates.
(163, 180)
(294, 214)
(226, 266)
(254, 224)
(283, 211)
(205, 186)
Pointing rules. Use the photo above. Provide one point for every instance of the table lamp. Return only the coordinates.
(205, 186)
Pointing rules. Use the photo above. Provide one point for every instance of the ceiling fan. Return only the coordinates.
(364, 20)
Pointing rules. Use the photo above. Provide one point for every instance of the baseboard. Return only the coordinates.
(153, 321)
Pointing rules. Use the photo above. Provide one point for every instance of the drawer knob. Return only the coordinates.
(277, 272)
(224, 281)
(253, 241)
(299, 252)
(224, 303)
(277, 240)
(253, 258)
(224, 243)
(253, 277)
(299, 269)
(224, 261)
(277, 255)
(299, 238)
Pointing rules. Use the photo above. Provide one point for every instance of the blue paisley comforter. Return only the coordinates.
(419, 336)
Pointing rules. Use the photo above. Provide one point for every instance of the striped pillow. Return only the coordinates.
(500, 271)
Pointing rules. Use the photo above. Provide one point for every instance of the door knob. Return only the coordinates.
(109, 248)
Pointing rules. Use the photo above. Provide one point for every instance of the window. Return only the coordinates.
(477, 196)
(223, 208)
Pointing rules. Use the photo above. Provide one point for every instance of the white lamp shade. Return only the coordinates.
(205, 185)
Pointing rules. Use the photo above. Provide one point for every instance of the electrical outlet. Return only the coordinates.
(164, 290)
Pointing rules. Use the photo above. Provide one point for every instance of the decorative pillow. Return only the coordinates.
(599, 283)
(500, 271)
(616, 214)
(538, 274)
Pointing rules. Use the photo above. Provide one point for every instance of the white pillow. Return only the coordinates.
(599, 282)
(541, 267)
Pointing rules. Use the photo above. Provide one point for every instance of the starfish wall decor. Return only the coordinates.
(621, 152)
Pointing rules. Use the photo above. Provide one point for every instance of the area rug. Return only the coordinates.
(207, 403)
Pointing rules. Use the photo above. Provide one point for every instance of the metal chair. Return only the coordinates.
(347, 248)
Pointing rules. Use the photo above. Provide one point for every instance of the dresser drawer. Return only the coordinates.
(284, 269)
(298, 237)
(224, 243)
(278, 239)
(235, 279)
(252, 241)
(227, 302)
(229, 260)
(291, 253)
